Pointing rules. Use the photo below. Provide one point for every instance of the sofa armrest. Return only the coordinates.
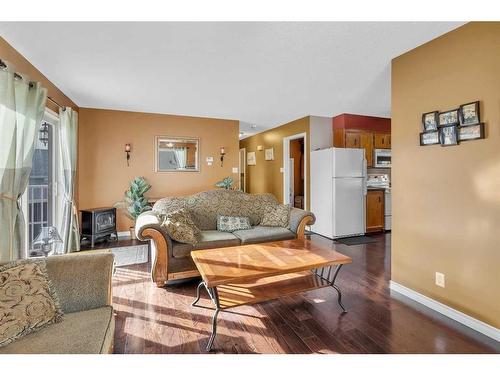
(299, 219)
(148, 227)
(82, 280)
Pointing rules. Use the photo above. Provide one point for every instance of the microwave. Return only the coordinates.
(382, 158)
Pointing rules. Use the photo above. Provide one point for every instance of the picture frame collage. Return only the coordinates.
(451, 127)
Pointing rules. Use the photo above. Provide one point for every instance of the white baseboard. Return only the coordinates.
(124, 234)
(451, 313)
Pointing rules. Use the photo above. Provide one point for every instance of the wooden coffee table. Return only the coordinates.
(241, 275)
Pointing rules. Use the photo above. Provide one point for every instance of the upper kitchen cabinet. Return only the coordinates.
(382, 140)
(356, 131)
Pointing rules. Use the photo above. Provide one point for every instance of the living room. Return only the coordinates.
(186, 188)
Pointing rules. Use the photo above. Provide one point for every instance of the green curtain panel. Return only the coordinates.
(22, 105)
(68, 136)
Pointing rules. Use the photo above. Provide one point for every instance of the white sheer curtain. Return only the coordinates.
(181, 155)
(68, 137)
(22, 105)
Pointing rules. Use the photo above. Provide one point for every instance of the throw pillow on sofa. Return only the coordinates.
(276, 216)
(181, 227)
(28, 301)
(232, 223)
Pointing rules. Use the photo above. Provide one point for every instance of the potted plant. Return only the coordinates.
(134, 202)
(226, 183)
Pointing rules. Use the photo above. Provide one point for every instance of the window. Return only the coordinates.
(38, 202)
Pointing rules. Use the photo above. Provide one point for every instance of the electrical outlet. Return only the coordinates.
(440, 279)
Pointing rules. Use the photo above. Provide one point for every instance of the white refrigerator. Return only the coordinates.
(338, 191)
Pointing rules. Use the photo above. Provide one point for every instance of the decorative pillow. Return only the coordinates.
(276, 216)
(28, 302)
(232, 223)
(180, 226)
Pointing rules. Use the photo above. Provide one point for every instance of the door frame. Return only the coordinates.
(286, 167)
(52, 118)
(242, 186)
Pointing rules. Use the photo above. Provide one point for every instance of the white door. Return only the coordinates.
(291, 196)
(348, 207)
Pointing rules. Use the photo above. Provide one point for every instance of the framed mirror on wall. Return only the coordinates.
(177, 154)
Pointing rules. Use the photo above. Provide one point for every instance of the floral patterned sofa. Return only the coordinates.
(172, 260)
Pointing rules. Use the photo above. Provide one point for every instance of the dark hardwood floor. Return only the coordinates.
(155, 320)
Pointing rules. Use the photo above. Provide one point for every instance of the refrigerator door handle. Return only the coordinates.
(365, 186)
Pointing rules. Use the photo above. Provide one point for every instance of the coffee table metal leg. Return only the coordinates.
(198, 293)
(332, 284)
(215, 298)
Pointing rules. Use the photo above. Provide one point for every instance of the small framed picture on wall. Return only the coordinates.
(471, 132)
(448, 135)
(429, 138)
(251, 158)
(430, 121)
(269, 153)
(469, 114)
(448, 118)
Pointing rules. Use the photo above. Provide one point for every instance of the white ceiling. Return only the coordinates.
(263, 74)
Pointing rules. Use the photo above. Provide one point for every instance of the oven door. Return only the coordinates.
(382, 158)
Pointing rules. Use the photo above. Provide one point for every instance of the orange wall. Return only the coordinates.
(103, 171)
(265, 177)
(23, 66)
(446, 200)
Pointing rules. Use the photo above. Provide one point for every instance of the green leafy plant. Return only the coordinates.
(134, 202)
(226, 183)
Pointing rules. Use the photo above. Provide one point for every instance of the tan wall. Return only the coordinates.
(446, 200)
(265, 177)
(104, 175)
(23, 66)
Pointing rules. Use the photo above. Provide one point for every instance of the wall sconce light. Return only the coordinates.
(128, 148)
(222, 153)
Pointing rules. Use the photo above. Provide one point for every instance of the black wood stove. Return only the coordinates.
(98, 224)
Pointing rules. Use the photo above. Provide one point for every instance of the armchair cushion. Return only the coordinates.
(28, 302)
(82, 280)
(83, 332)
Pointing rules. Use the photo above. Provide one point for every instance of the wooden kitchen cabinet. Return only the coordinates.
(382, 140)
(361, 139)
(352, 140)
(366, 142)
(375, 211)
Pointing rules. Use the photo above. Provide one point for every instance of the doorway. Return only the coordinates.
(294, 170)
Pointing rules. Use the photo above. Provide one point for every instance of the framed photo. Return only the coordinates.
(471, 132)
(469, 114)
(429, 138)
(448, 135)
(269, 153)
(251, 158)
(430, 121)
(448, 118)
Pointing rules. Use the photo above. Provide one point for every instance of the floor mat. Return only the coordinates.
(359, 240)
